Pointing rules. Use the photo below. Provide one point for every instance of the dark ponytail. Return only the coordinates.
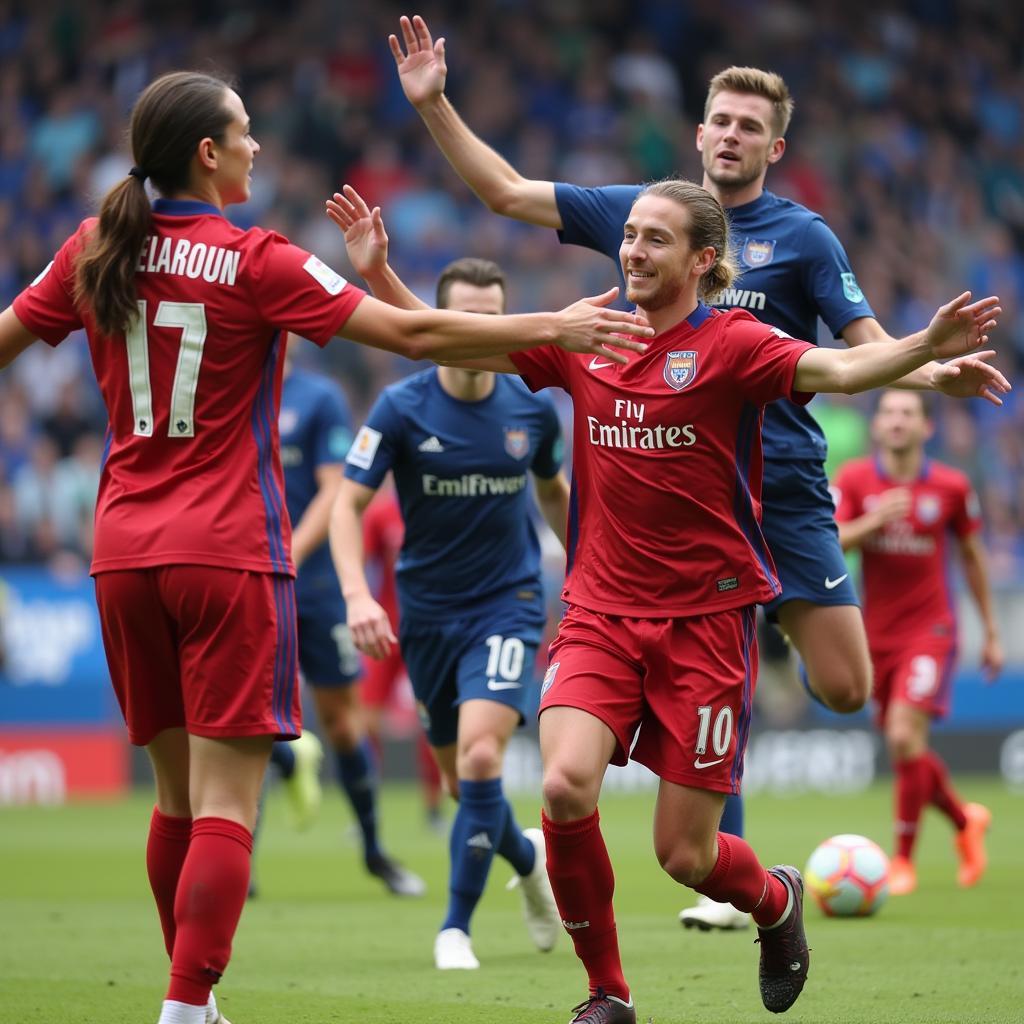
(170, 118)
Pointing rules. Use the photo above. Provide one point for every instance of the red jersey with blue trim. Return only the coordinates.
(192, 469)
(906, 587)
(665, 512)
(383, 533)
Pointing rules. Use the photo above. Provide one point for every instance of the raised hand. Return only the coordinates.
(365, 237)
(961, 326)
(893, 504)
(971, 377)
(588, 326)
(421, 67)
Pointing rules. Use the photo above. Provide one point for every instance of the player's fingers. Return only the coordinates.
(408, 35)
(439, 49)
(396, 50)
(422, 33)
(609, 353)
(357, 201)
(954, 305)
(604, 298)
(984, 391)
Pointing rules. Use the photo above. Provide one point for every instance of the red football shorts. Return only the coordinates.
(687, 684)
(381, 679)
(213, 650)
(920, 674)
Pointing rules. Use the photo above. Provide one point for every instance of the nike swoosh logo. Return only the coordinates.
(595, 365)
(493, 684)
(832, 584)
(698, 763)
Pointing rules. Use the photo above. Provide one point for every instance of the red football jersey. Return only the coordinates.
(665, 513)
(906, 588)
(192, 472)
(383, 532)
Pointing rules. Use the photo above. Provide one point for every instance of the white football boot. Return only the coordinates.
(709, 915)
(543, 921)
(453, 952)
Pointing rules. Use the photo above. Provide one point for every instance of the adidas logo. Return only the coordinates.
(431, 445)
(482, 841)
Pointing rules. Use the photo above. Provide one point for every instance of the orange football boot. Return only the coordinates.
(970, 845)
(902, 876)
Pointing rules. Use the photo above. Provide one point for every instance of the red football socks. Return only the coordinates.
(211, 893)
(942, 795)
(583, 884)
(913, 788)
(165, 854)
(739, 878)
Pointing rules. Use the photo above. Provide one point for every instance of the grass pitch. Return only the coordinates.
(79, 940)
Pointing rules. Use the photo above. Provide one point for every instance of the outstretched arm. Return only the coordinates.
(367, 620)
(966, 377)
(957, 329)
(15, 337)
(972, 552)
(422, 72)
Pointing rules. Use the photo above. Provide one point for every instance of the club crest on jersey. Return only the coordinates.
(680, 369)
(929, 508)
(758, 252)
(517, 442)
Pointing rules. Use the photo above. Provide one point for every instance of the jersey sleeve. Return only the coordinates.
(296, 291)
(846, 495)
(548, 459)
(829, 278)
(593, 217)
(46, 307)
(333, 429)
(763, 361)
(543, 367)
(376, 446)
(966, 510)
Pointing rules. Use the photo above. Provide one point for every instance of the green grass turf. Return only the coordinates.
(79, 940)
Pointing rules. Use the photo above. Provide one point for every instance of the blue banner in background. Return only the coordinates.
(54, 671)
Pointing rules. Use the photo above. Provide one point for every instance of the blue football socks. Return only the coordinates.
(732, 816)
(358, 778)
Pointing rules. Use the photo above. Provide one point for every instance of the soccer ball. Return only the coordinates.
(848, 876)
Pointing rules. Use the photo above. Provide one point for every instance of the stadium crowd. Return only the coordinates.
(907, 137)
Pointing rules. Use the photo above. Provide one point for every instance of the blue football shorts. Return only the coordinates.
(798, 521)
(327, 655)
(488, 655)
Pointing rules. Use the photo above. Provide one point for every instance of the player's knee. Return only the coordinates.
(845, 691)
(685, 863)
(480, 759)
(901, 743)
(568, 793)
(343, 733)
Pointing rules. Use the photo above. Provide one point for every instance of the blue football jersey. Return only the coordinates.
(316, 429)
(794, 270)
(461, 474)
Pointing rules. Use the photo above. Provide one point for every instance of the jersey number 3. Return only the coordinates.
(190, 319)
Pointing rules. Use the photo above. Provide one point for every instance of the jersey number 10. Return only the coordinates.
(190, 319)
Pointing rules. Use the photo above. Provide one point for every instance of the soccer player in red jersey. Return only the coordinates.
(665, 565)
(184, 315)
(901, 509)
(383, 530)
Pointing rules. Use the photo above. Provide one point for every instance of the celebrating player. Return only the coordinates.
(666, 562)
(459, 444)
(900, 509)
(184, 314)
(316, 433)
(794, 270)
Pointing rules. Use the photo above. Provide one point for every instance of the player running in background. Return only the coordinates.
(316, 433)
(194, 581)
(666, 563)
(900, 509)
(794, 271)
(385, 678)
(461, 446)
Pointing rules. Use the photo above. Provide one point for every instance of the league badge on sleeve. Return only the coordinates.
(364, 447)
(758, 252)
(680, 369)
(517, 442)
(851, 289)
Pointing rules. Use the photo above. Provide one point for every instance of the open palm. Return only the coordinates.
(366, 241)
(421, 66)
